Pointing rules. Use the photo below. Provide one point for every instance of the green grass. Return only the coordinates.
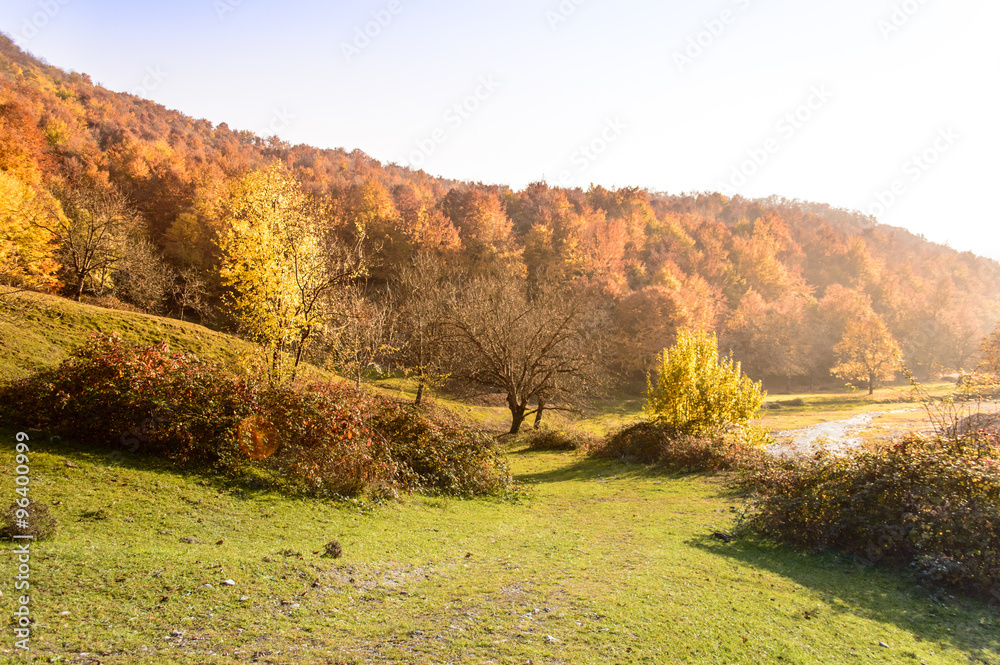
(614, 563)
(39, 331)
(823, 407)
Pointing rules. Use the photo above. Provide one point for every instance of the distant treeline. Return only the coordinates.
(780, 281)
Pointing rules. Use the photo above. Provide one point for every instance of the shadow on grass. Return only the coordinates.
(879, 594)
(594, 469)
(108, 459)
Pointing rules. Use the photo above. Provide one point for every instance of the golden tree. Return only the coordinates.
(27, 248)
(282, 263)
(699, 393)
(867, 352)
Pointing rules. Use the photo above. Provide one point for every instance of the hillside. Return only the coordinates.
(779, 280)
(38, 331)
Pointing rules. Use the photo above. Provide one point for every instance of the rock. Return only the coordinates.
(177, 633)
(551, 640)
(64, 614)
(229, 583)
(207, 586)
(883, 645)
(190, 540)
(244, 598)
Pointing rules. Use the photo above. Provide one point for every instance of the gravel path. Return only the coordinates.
(837, 437)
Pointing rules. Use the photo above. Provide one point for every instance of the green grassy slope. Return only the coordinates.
(600, 563)
(38, 331)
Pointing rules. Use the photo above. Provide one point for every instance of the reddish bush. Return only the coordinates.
(326, 439)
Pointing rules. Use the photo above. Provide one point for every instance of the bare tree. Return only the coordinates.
(94, 233)
(421, 314)
(364, 335)
(543, 350)
(142, 277)
(190, 291)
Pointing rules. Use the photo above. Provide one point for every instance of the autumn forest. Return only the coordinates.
(113, 199)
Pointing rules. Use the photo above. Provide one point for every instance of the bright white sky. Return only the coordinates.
(556, 76)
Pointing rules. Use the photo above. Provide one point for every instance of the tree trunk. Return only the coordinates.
(516, 414)
(538, 414)
(275, 357)
(420, 393)
(298, 353)
(79, 287)
(871, 386)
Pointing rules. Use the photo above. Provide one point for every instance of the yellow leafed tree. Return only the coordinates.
(696, 392)
(279, 260)
(867, 352)
(27, 250)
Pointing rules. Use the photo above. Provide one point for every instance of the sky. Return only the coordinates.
(889, 107)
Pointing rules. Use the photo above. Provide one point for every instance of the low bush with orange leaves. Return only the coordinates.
(324, 439)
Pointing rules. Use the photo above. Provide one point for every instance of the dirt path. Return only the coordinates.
(837, 437)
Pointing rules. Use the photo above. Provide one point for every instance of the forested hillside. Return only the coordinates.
(782, 282)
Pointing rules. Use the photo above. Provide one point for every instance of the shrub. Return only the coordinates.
(550, 439)
(926, 504)
(439, 453)
(340, 440)
(40, 522)
(327, 445)
(655, 443)
(325, 439)
(697, 393)
(333, 550)
(111, 391)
